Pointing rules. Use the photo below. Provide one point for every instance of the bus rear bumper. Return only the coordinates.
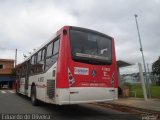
(77, 95)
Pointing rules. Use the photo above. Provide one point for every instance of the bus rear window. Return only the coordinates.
(90, 47)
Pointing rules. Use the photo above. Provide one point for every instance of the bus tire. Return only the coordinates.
(33, 96)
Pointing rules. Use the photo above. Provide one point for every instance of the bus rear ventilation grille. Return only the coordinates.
(51, 88)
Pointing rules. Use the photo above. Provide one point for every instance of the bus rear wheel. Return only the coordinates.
(33, 96)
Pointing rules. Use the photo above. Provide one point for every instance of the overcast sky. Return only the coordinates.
(26, 24)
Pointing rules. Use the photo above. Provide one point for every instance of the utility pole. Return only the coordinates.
(142, 81)
(141, 49)
(15, 58)
(149, 80)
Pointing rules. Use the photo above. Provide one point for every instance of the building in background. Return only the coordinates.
(6, 73)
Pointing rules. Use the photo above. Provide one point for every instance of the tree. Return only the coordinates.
(156, 67)
(156, 70)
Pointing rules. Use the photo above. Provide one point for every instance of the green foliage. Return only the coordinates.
(156, 67)
(127, 85)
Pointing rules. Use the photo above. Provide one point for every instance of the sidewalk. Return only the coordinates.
(149, 105)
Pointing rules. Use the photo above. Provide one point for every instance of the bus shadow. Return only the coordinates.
(86, 112)
(65, 110)
(78, 112)
(74, 111)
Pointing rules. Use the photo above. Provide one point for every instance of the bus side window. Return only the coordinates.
(35, 58)
(52, 48)
(56, 47)
(32, 65)
(19, 73)
(49, 56)
(49, 50)
(41, 60)
(35, 63)
(39, 56)
(39, 64)
(23, 70)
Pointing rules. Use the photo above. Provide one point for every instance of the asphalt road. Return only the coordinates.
(10, 103)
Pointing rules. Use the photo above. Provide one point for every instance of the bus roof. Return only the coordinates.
(54, 35)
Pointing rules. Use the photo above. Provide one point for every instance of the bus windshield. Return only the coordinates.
(90, 47)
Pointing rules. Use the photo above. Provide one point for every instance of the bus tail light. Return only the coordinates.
(70, 77)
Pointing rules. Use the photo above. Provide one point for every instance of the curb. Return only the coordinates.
(135, 108)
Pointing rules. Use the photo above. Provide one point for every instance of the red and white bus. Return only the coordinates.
(77, 65)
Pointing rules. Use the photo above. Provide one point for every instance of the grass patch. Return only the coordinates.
(138, 90)
(155, 91)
